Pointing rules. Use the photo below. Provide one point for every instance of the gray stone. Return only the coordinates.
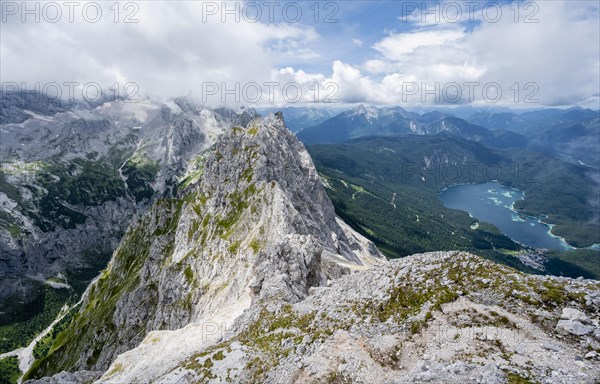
(550, 346)
(575, 315)
(573, 327)
(79, 377)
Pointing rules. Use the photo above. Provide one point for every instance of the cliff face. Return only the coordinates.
(244, 276)
(72, 177)
(251, 224)
(446, 317)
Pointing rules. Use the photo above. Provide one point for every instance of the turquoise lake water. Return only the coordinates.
(492, 203)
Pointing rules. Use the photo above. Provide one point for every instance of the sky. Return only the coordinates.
(489, 53)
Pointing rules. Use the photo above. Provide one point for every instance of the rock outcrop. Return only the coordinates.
(254, 225)
(244, 276)
(446, 317)
(72, 177)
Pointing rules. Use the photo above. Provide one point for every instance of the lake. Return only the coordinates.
(493, 203)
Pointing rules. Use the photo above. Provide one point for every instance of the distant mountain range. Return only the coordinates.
(298, 118)
(529, 123)
(572, 134)
(391, 121)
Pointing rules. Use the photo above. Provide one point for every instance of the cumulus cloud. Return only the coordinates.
(173, 50)
(554, 61)
(396, 46)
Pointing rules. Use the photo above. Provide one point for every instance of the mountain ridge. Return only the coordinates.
(253, 227)
(238, 234)
(390, 121)
(433, 317)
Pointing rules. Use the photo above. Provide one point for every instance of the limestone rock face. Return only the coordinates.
(253, 225)
(246, 275)
(79, 377)
(445, 317)
(74, 175)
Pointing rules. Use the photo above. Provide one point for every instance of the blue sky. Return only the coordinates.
(371, 55)
(354, 26)
(348, 30)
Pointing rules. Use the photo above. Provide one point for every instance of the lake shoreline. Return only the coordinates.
(496, 188)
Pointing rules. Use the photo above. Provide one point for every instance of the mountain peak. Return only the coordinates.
(369, 112)
(256, 226)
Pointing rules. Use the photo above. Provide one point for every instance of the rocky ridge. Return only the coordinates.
(253, 225)
(77, 174)
(244, 276)
(444, 317)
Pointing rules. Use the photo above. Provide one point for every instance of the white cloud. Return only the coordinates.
(396, 46)
(169, 52)
(556, 60)
(376, 66)
(357, 42)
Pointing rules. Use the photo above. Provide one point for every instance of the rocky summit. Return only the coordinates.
(254, 224)
(246, 275)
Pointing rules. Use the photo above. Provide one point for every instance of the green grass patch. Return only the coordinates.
(42, 347)
(90, 333)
